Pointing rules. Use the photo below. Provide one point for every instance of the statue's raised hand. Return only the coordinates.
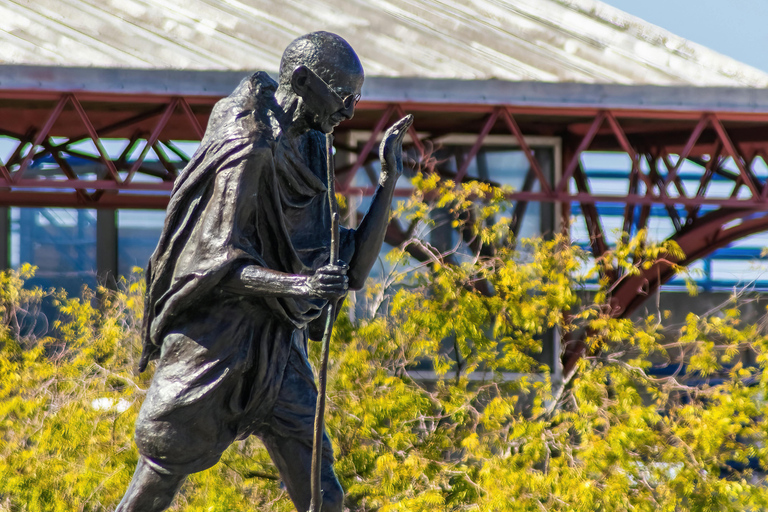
(391, 149)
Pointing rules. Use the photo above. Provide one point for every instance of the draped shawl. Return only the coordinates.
(247, 197)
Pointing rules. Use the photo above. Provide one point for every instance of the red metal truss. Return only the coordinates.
(112, 187)
(38, 124)
(726, 149)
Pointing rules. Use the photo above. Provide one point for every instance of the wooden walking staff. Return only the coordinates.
(330, 314)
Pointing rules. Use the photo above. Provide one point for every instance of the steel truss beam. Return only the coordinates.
(35, 121)
(51, 126)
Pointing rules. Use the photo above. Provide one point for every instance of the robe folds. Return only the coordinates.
(249, 196)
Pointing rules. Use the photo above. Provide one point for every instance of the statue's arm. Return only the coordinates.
(370, 234)
(329, 282)
(253, 280)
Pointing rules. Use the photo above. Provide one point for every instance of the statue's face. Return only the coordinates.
(328, 102)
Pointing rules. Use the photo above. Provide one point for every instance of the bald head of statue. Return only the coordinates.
(320, 81)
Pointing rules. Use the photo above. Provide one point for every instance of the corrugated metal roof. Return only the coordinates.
(541, 40)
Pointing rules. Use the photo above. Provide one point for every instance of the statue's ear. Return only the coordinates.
(300, 81)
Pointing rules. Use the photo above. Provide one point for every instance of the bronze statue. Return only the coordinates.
(241, 274)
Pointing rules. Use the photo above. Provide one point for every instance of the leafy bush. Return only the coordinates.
(490, 429)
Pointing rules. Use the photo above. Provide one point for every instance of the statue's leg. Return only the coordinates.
(150, 491)
(293, 459)
(290, 434)
(184, 424)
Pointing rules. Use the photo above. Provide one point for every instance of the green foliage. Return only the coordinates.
(68, 403)
(438, 400)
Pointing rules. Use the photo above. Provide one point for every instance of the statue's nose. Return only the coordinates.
(348, 112)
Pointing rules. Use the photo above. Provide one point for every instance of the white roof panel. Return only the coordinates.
(582, 41)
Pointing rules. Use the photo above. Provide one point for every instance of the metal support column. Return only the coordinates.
(5, 234)
(546, 159)
(106, 247)
(550, 350)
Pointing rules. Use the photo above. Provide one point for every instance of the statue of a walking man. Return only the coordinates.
(241, 275)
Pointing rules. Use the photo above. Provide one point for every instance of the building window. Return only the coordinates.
(137, 234)
(60, 242)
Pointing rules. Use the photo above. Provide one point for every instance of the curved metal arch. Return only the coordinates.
(708, 233)
(711, 232)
